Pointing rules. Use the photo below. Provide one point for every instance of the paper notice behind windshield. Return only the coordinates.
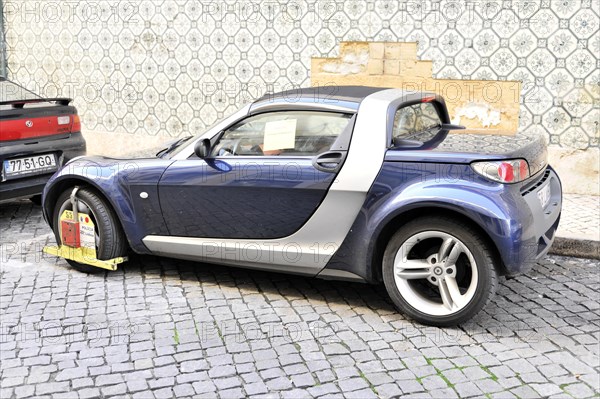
(280, 135)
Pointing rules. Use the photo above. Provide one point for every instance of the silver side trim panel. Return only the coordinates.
(308, 250)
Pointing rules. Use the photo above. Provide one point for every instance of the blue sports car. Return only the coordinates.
(350, 183)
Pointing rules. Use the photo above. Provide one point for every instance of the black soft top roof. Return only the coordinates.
(353, 94)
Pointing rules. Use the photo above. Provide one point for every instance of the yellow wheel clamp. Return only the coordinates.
(78, 239)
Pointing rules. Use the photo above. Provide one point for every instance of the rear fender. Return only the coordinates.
(402, 188)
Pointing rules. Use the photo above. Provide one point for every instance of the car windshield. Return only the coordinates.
(10, 91)
(174, 148)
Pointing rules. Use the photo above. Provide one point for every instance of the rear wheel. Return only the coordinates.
(439, 271)
(110, 239)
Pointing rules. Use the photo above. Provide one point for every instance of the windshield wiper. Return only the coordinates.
(173, 145)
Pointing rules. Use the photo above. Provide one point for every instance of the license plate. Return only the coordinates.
(544, 195)
(29, 165)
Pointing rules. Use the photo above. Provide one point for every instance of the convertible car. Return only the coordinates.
(362, 183)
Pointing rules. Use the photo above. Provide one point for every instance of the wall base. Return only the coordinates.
(577, 169)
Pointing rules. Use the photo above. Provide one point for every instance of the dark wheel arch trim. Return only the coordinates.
(50, 198)
(407, 215)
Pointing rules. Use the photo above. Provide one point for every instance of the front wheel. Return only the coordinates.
(109, 238)
(439, 271)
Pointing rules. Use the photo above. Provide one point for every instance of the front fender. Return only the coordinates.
(106, 177)
(119, 182)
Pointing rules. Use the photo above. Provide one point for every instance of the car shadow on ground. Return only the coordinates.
(345, 298)
(351, 294)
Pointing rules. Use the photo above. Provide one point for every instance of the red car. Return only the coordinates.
(37, 136)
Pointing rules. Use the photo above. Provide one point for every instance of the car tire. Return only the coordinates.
(110, 239)
(439, 271)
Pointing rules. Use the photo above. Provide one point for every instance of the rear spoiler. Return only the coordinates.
(21, 103)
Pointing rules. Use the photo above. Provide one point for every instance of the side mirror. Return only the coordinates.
(202, 148)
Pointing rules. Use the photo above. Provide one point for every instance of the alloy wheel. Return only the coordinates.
(440, 282)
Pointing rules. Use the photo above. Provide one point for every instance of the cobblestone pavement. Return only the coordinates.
(580, 217)
(163, 328)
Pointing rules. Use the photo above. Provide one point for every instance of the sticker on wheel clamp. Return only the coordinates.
(86, 231)
(66, 215)
(87, 234)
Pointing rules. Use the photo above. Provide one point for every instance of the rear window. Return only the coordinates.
(10, 91)
(419, 122)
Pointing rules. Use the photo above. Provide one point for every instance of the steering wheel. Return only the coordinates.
(235, 147)
(231, 149)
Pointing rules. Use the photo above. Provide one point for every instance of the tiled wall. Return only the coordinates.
(173, 67)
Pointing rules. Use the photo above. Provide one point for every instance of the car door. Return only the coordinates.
(266, 175)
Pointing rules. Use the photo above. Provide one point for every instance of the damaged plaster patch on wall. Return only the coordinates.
(487, 116)
(396, 64)
(351, 63)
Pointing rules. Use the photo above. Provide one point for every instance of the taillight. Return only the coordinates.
(76, 127)
(512, 171)
(63, 120)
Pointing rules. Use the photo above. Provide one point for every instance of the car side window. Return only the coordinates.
(293, 133)
(416, 122)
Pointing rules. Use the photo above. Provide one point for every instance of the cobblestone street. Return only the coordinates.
(164, 328)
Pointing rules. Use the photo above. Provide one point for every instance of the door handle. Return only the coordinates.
(329, 161)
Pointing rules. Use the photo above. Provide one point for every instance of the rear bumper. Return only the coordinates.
(23, 188)
(64, 147)
(534, 227)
